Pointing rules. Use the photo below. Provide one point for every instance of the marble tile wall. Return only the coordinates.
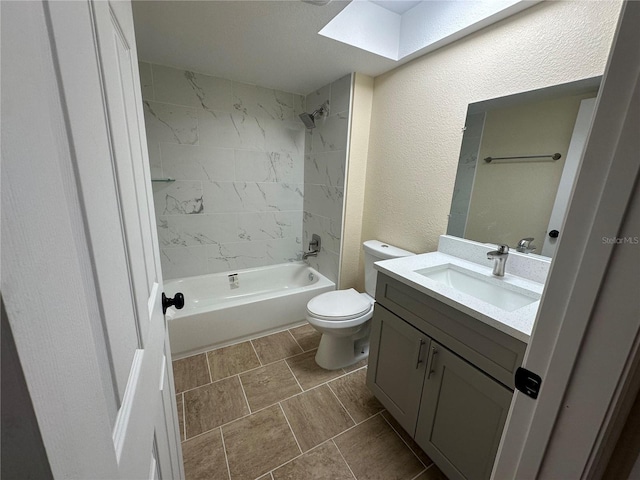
(324, 174)
(236, 152)
(466, 173)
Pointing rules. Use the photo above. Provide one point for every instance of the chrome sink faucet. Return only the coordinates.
(499, 258)
(525, 245)
(314, 247)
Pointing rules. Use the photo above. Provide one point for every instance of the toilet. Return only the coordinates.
(344, 316)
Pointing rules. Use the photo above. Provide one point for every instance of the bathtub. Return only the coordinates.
(225, 308)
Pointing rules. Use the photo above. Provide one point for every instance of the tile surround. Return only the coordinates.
(233, 149)
(324, 174)
(170, 123)
(306, 435)
(180, 87)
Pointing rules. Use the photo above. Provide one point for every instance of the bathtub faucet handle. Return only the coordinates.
(177, 301)
(314, 247)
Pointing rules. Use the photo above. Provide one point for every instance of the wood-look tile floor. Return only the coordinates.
(263, 410)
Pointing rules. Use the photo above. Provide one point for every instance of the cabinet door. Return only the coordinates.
(462, 414)
(396, 366)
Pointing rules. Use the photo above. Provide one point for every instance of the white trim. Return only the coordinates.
(600, 196)
(124, 414)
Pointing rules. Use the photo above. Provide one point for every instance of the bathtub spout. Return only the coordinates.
(313, 253)
(314, 247)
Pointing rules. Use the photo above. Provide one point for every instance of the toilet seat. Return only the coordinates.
(339, 305)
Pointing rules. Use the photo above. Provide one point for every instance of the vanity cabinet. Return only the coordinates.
(445, 377)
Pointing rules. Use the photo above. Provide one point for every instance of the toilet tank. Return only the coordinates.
(374, 251)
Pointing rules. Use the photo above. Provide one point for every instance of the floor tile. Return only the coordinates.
(356, 366)
(227, 361)
(432, 473)
(190, 372)
(423, 457)
(210, 406)
(322, 463)
(259, 443)
(356, 396)
(276, 347)
(266, 477)
(307, 371)
(306, 336)
(204, 457)
(268, 385)
(316, 416)
(180, 405)
(374, 451)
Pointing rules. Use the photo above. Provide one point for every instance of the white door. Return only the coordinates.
(74, 64)
(580, 343)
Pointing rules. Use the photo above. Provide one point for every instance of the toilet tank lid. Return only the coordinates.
(384, 250)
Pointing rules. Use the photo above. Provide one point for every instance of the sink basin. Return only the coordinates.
(490, 290)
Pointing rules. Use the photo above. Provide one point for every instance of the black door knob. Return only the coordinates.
(554, 233)
(177, 301)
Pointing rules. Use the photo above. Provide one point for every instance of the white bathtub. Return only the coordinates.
(215, 313)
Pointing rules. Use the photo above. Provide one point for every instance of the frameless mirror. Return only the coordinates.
(518, 159)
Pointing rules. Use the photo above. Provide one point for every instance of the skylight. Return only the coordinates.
(398, 29)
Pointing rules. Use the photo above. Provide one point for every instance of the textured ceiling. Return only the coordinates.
(268, 43)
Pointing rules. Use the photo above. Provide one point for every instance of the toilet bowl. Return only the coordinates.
(344, 316)
(341, 317)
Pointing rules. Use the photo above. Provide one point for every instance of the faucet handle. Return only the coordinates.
(502, 248)
(524, 242)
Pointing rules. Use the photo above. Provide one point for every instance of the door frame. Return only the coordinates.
(565, 326)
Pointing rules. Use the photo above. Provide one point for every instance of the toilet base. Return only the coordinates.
(339, 352)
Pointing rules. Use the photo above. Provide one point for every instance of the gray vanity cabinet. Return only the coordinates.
(397, 373)
(462, 414)
(444, 376)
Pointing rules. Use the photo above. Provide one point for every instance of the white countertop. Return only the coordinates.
(517, 323)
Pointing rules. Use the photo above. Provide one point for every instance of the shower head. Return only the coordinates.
(309, 119)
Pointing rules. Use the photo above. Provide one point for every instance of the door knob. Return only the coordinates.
(177, 301)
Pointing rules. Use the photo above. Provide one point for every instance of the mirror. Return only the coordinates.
(511, 184)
